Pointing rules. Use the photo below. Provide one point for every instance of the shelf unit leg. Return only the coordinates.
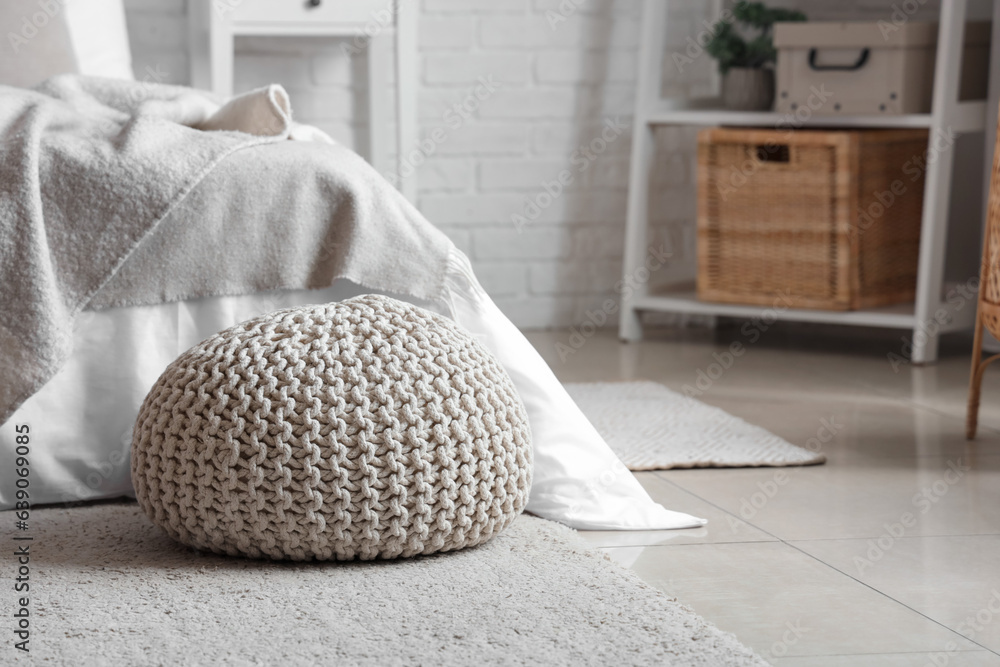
(221, 58)
(637, 218)
(629, 325)
(937, 181)
(378, 101)
(636, 229)
(925, 347)
(406, 93)
(199, 22)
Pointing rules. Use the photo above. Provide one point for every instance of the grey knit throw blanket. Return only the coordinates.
(111, 196)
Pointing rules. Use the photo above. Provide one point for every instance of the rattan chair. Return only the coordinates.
(988, 308)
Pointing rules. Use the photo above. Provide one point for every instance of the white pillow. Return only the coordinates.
(48, 37)
(578, 480)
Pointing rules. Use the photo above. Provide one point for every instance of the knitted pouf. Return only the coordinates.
(368, 428)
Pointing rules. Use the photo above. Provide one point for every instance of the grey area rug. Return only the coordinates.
(651, 427)
(109, 588)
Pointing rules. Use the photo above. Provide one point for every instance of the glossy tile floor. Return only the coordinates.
(889, 554)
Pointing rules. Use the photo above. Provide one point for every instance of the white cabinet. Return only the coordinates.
(376, 23)
(291, 12)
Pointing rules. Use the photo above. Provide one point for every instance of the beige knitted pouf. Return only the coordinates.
(368, 428)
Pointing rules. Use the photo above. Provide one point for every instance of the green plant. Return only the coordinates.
(729, 46)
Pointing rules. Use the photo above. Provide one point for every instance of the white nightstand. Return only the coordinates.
(214, 24)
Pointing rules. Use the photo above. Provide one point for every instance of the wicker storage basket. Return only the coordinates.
(816, 219)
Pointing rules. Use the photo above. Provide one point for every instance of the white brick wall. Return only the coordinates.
(561, 78)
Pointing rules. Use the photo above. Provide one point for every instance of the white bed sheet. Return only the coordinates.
(81, 421)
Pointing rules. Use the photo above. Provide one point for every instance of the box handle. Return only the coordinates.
(862, 59)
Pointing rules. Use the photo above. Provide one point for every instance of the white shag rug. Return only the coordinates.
(651, 427)
(109, 588)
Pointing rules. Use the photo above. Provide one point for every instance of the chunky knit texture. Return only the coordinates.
(368, 428)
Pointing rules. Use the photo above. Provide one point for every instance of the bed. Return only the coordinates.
(259, 223)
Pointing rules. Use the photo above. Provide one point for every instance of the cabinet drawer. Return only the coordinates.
(341, 12)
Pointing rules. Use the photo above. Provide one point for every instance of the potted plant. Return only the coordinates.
(746, 54)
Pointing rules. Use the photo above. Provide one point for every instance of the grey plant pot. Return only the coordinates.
(748, 89)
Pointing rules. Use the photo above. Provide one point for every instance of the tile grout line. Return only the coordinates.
(857, 655)
(905, 537)
(821, 562)
(677, 544)
(887, 596)
(907, 402)
(882, 394)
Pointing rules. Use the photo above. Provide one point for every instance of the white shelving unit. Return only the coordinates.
(948, 114)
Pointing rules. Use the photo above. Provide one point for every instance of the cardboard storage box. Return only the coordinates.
(870, 68)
